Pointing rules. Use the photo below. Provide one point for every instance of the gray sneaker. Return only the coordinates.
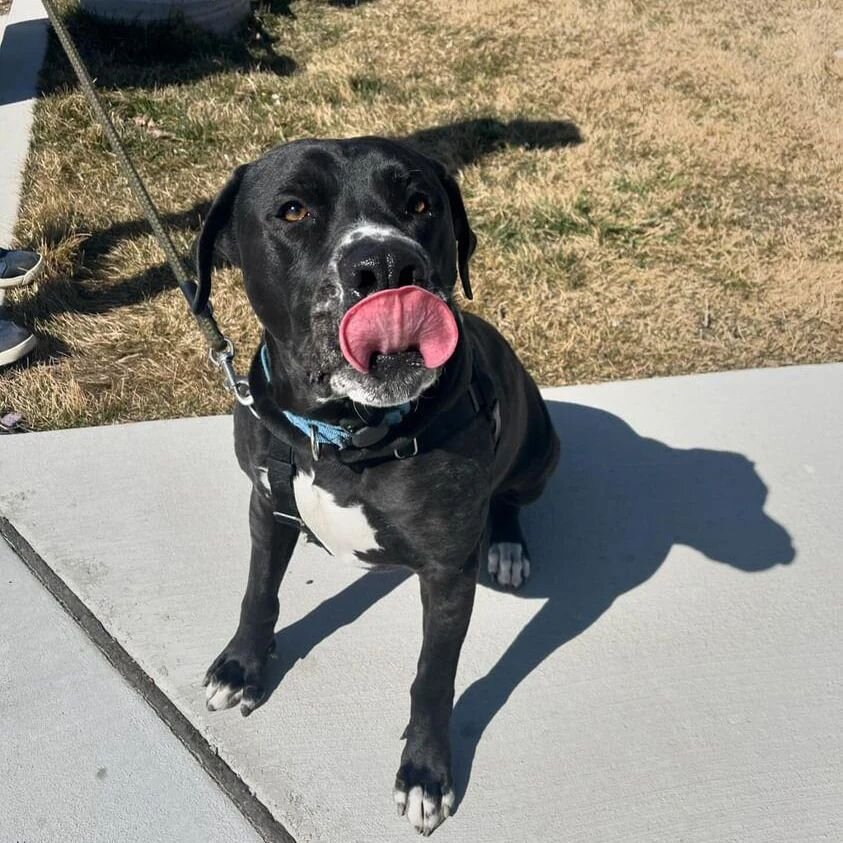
(15, 342)
(18, 267)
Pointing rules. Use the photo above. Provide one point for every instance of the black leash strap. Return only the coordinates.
(221, 349)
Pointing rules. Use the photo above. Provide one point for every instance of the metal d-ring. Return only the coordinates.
(315, 445)
(400, 456)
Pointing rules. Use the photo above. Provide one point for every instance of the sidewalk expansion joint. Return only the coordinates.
(257, 814)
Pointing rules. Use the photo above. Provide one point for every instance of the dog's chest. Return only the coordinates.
(345, 531)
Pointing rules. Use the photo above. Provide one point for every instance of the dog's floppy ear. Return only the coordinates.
(466, 240)
(217, 235)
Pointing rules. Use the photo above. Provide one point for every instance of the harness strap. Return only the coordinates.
(349, 432)
(281, 470)
(479, 397)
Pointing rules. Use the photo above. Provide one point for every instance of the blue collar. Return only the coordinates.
(324, 433)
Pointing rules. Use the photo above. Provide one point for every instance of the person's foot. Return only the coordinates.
(18, 267)
(15, 342)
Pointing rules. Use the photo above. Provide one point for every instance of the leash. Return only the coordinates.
(220, 348)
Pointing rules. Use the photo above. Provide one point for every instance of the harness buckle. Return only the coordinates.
(399, 456)
(367, 436)
(237, 385)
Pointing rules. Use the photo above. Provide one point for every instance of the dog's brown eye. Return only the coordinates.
(419, 204)
(293, 212)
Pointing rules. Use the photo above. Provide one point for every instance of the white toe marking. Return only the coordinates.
(219, 696)
(432, 814)
(415, 808)
(508, 563)
(425, 813)
(344, 530)
(494, 559)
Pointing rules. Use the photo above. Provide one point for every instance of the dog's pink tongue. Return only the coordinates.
(397, 320)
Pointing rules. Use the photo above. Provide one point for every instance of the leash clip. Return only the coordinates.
(234, 383)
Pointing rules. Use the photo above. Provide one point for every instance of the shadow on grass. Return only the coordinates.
(465, 142)
(131, 56)
(90, 295)
(614, 509)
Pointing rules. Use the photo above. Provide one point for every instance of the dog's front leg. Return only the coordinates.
(236, 675)
(423, 785)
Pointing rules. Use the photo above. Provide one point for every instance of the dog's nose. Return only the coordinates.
(371, 265)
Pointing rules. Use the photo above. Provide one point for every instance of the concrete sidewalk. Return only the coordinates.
(84, 759)
(23, 41)
(671, 672)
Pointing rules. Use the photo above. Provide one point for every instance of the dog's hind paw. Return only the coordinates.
(508, 563)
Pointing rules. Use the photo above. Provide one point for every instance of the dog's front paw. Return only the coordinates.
(508, 563)
(424, 794)
(236, 676)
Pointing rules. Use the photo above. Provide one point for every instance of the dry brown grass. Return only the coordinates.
(696, 227)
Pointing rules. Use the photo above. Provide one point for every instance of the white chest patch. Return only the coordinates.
(345, 531)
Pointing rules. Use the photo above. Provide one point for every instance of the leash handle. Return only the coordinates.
(220, 347)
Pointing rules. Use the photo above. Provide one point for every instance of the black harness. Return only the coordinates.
(371, 441)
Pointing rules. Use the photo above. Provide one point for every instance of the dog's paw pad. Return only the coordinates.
(425, 808)
(508, 564)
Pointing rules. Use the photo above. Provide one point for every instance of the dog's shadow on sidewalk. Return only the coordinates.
(615, 507)
(613, 510)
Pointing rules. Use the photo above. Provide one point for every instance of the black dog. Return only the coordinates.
(398, 465)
